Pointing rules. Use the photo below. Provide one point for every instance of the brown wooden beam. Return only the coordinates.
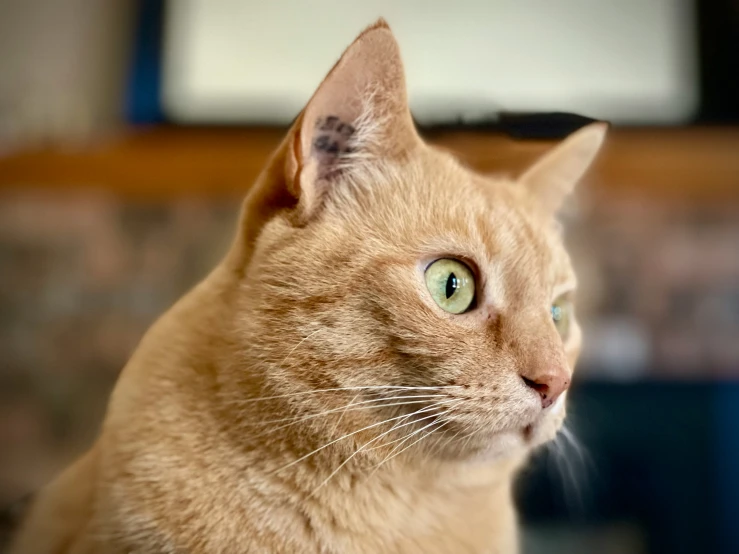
(688, 163)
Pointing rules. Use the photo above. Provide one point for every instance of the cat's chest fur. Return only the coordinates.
(398, 514)
(437, 512)
(440, 509)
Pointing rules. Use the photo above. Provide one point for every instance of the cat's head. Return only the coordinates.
(385, 281)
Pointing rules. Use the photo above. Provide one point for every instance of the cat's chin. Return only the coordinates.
(517, 442)
(501, 447)
(513, 444)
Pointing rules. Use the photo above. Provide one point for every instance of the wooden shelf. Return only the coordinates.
(689, 163)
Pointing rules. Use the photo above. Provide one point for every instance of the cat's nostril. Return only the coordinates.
(541, 388)
(549, 386)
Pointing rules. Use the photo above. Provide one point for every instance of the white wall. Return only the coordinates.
(625, 60)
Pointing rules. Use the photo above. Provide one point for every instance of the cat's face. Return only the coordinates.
(409, 289)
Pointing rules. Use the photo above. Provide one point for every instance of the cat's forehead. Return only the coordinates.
(521, 256)
(513, 236)
(443, 208)
(494, 210)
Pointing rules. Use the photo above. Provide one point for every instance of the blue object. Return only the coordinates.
(144, 87)
(665, 458)
(726, 444)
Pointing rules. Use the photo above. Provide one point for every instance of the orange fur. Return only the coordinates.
(205, 444)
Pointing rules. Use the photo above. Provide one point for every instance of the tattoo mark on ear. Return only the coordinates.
(331, 141)
(327, 123)
(333, 123)
(325, 144)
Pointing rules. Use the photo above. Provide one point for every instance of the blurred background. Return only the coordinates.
(129, 132)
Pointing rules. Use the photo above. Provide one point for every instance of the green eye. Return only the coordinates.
(451, 284)
(561, 312)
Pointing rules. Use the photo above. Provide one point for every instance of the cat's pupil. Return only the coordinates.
(452, 284)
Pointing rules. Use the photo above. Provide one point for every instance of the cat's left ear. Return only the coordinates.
(555, 175)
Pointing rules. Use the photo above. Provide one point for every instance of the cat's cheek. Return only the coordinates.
(573, 345)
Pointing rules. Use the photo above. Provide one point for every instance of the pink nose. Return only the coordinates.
(549, 384)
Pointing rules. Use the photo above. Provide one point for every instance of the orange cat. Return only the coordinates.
(385, 342)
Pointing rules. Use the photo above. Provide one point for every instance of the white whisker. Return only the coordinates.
(361, 449)
(343, 408)
(568, 468)
(575, 444)
(397, 423)
(404, 438)
(340, 389)
(356, 408)
(454, 436)
(282, 363)
(354, 433)
(341, 417)
(428, 434)
(469, 439)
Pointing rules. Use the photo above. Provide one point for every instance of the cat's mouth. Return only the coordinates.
(546, 424)
(535, 428)
(528, 433)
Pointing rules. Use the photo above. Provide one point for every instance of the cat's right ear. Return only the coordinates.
(358, 113)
